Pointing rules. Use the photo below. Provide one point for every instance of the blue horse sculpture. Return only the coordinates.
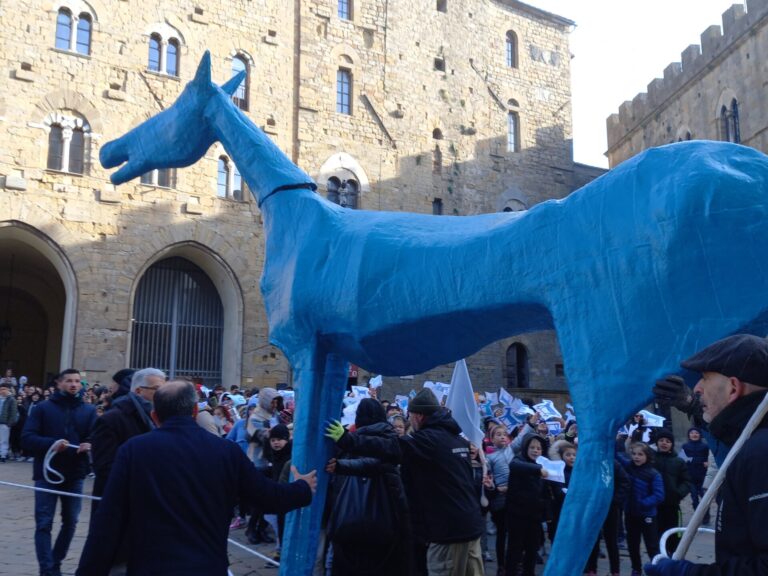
(642, 267)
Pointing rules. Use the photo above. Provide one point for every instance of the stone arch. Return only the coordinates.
(55, 255)
(343, 166)
(242, 53)
(513, 200)
(64, 99)
(76, 7)
(227, 285)
(726, 97)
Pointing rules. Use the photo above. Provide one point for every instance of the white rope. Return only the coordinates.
(74, 495)
(48, 469)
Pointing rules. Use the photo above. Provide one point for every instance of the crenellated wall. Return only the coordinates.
(688, 99)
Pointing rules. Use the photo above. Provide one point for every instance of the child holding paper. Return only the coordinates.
(496, 488)
(528, 505)
(565, 451)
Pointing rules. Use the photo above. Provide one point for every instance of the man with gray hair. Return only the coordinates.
(129, 416)
(172, 492)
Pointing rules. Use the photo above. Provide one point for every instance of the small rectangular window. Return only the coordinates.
(559, 370)
(63, 30)
(440, 64)
(442, 5)
(437, 206)
(83, 36)
(345, 9)
(166, 177)
(76, 152)
(55, 148)
(513, 132)
(343, 92)
(154, 53)
(148, 178)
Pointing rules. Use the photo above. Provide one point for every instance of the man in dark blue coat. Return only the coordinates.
(62, 420)
(734, 382)
(172, 491)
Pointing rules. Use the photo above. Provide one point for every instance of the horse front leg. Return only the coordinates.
(320, 381)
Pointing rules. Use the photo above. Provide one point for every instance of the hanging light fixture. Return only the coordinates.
(5, 328)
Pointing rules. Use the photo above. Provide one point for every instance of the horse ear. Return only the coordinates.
(203, 74)
(231, 85)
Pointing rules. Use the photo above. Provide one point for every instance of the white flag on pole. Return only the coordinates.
(461, 401)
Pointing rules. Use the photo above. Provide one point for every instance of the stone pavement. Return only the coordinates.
(17, 551)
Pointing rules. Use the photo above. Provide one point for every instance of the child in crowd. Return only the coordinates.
(528, 505)
(496, 487)
(565, 451)
(646, 494)
(696, 453)
(278, 454)
(674, 472)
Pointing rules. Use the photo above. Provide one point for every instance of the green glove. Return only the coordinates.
(334, 431)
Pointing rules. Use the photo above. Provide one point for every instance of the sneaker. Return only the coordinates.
(237, 523)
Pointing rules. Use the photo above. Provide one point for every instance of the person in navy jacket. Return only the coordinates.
(171, 492)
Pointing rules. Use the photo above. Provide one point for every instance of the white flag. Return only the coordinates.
(547, 410)
(375, 382)
(461, 401)
(652, 420)
(555, 469)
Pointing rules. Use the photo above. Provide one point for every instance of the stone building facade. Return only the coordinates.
(716, 92)
(451, 107)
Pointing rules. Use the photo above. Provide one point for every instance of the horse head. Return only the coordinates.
(178, 136)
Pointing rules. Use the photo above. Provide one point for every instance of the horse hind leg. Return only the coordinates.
(320, 380)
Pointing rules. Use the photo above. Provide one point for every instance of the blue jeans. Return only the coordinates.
(45, 509)
(697, 492)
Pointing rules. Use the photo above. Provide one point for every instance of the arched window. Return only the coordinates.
(77, 151)
(511, 49)
(517, 366)
(238, 187)
(332, 189)
(68, 139)
(55, 147)
(348, 194)
(172, 57)
(513, 132)
(729, 122)
(178, 321)
(63, 29)
(83, 45)
(343, 91)
(222, 178)
(155, 47)
(240, 97)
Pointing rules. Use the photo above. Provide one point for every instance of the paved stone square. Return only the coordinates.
(17, 551)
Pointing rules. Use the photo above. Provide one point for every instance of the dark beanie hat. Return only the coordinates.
(369, 411)
(425, 402)
(123, 378)
(741, 356)
(279, 431)
(665, 433)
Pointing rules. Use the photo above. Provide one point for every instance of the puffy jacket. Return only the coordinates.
(647, 488)
(9, 413)
(528, 494)
(62, 416)
(674, 472)
(498, 467)
(437, 475)
(696, 454)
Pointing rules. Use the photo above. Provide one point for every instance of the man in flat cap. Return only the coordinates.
(734, 380)
(438, 480)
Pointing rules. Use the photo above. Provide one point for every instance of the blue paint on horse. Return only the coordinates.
(635, 271)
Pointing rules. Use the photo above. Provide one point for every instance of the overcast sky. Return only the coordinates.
(619, 46)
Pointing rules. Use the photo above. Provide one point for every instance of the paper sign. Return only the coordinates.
(402, 403)
(376, 382)
(510, 420)
(505, 397)
(491, 398)
(555, 469)
(547, 410)
(554, 428)
(349, 412)
(412, 394)
(652, 420)
(486, 411)
(440, 389)
(361, 392)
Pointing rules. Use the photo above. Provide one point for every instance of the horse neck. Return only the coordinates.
(265, 168)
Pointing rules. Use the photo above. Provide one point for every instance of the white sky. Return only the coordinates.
(619, 46)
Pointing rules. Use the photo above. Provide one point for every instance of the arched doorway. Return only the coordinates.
(37, 304)
(178, 322)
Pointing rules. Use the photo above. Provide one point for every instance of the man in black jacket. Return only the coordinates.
(438, 479)
(733, 383)
(171, 494)
(61, 420)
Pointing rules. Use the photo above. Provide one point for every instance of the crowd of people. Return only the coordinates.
(409, 493)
